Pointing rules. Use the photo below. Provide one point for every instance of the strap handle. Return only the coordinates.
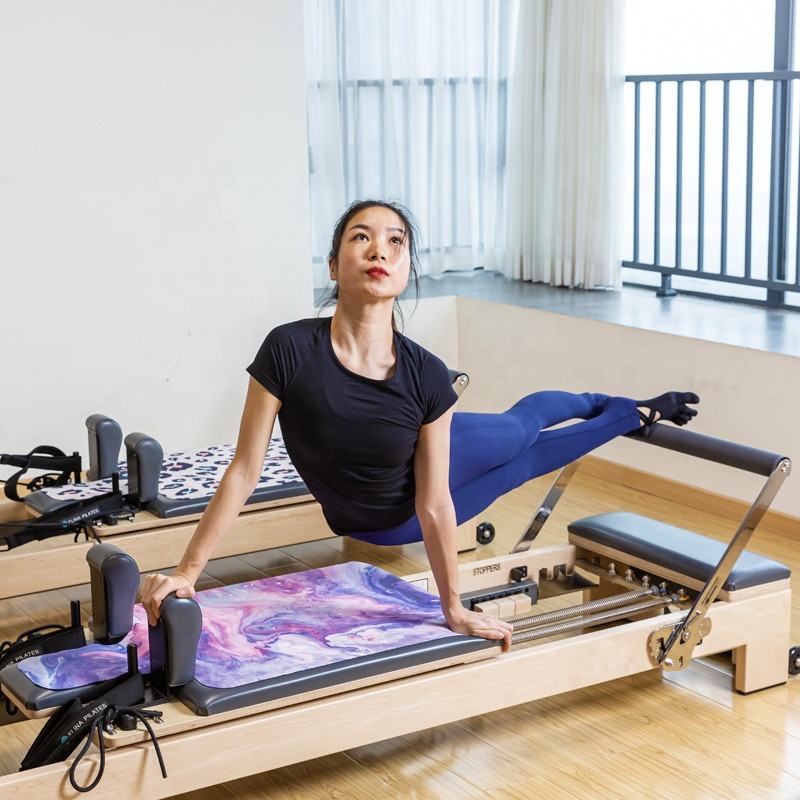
(46, 457)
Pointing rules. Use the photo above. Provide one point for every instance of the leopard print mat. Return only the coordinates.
(190, 474)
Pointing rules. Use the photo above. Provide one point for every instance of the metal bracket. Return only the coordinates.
(546, 508)
(671, 646)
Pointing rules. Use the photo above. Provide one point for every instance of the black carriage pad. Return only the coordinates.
(205, 700)
(685, 552)
(168, 508)
(38, 700)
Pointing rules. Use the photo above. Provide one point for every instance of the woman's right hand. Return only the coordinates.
(487, 626)
(157, 587)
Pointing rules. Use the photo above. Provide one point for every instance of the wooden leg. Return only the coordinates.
(763, 661)
(465, 535)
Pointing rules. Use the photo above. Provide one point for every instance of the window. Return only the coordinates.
(407, 101)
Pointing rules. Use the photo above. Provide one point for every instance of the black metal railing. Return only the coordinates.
(751, 118)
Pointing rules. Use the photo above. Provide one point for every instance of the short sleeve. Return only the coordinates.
(270, 367)
(438, 389)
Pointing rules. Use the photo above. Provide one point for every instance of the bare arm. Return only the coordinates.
(437, 518)
(237, 484)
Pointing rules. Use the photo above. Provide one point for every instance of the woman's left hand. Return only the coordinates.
(487, 626)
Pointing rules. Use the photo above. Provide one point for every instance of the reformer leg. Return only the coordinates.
(761, 662)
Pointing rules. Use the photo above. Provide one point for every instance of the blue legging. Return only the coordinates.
(491, 454)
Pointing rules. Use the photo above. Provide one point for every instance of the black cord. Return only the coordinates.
(106, 721)
(88, 530)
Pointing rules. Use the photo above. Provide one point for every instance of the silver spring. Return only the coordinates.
(588, 622)
(584, 608)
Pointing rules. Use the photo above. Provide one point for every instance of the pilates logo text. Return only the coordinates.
(487, 568)
(83, 515)
(86, 717)
(36, 651)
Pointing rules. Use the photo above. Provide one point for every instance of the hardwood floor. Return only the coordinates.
(682, 734)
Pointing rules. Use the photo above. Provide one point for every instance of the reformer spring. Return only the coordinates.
(584, 608)
(616, 612)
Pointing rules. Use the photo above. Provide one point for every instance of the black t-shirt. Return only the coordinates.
(352, 438)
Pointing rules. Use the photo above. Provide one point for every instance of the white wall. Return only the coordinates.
(747, 396)
(154, 219)
(433, 323)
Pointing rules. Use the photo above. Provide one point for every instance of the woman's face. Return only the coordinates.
(373, 260)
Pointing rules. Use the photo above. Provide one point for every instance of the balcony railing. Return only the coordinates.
(714, 180)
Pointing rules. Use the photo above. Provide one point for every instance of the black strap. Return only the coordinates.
(78, 517)
(39, 641)
(47, 457)
(36, 530)
(99, 707)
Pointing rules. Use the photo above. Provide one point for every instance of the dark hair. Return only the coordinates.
(331, 295)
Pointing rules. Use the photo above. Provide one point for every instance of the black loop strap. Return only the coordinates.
(42, 640)
(46, 457)
(27, 635)
(105, 722)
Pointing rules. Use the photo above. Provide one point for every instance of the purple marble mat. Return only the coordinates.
(272, 627)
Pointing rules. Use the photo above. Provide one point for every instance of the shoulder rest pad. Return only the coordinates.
(686, 552)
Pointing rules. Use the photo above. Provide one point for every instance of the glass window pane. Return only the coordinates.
(671, 36)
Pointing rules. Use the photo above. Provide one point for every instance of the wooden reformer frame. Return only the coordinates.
(752, 623)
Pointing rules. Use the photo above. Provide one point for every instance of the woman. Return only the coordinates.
(367, 418)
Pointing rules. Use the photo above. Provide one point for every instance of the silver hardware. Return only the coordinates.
(546, 508)
(671, 646)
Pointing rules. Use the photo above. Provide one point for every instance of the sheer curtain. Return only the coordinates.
(407, 102)
(565, 144)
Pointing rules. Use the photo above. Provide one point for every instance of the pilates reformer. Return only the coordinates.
(153, 497)
(655, 597)
(160, 497)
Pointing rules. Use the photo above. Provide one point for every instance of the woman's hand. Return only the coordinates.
(157, 587)
(487, 626)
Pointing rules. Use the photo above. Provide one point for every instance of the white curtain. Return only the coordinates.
(565, 144)
(407, 102)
